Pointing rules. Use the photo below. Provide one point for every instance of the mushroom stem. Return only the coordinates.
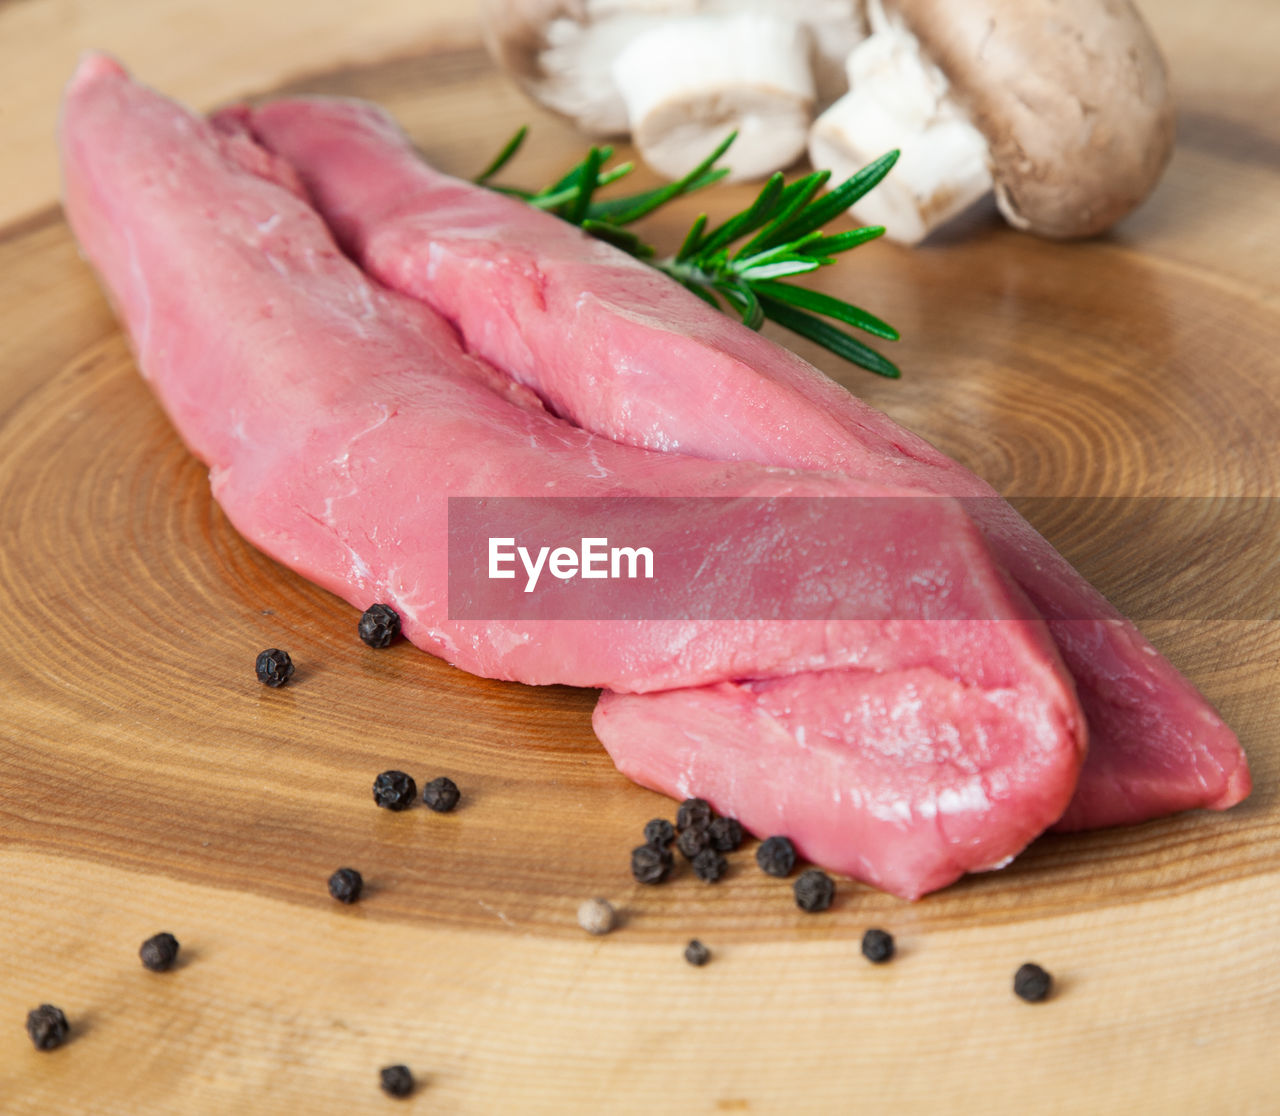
(690, 82)
(899, 99)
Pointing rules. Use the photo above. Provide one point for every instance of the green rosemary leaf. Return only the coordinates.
(511, 192)
(794, 198)
(606, 177)
(625, 239)
(574, 174)
(750, 219)
(700, 176)
(503, 157)
(837, 201)
(552, 198)
(622, 211)
(830, 338)
(793, 251)
(799, 193)
(588, 180)
(776, 270)
(841, 242)
(742, 261)
(850, 190)
(691, 238)
(744, 298)
(827, 306)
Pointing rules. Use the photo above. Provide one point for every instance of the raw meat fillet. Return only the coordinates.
(338, 417)
(856, 753)
(621, 350)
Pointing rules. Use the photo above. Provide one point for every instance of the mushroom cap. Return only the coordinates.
(1073, 99)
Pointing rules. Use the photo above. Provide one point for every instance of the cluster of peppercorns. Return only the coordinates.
(701, 837)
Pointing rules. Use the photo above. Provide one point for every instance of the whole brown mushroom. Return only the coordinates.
(1064, 108)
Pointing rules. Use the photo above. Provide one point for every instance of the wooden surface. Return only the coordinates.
(148, 782)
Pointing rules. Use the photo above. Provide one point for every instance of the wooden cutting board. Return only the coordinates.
(148, 782)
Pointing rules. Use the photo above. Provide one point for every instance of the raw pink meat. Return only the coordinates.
(621, 350)
(915, 799)
(337, 417)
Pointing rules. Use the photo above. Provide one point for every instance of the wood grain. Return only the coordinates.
(148, 782)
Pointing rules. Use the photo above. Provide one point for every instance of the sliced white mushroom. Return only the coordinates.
(835, 28)
(680, 74)
(899, 99)
(689, 82)
(571, 70)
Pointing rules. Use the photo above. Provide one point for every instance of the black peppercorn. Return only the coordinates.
(441, 795)
(345, 885)
(274, 667)
(379, 625)
(726, 834)
(693, 841)
(158, 953)
(877, 946)
(47, 1027)
(776, 857)
(696, 953)
(709, 865)
(1032, 983)
(650, 864)
(814, 890)
(694, 813)
(394, 790)
(397, 1081)
(659, 832)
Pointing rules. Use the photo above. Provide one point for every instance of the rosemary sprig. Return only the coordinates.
(784, 224)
